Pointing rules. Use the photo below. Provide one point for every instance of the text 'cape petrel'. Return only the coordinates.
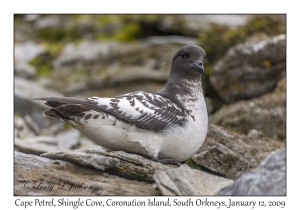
(167, 125)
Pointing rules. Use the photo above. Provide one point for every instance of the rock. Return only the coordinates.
(25, 70)
(48, 140)
(266, 114)
(96, 161)
(26, 51)
(228, 20)
(251, 69)
(131, 166)
(191, 25)
(255, 133)
(32, 125)
(24, 92)
(53, 129)
(162, 40)
(21, 128)
(111, 64)
(64, 141)
(31, 17)
(269, 179)
(90, 52)
(33, 172)
(232, 154)
(85, 142)
(68, 139)
(187, 181)
(33, 147)
(49, 21)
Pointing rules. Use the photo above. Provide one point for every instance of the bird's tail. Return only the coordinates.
(67, 112)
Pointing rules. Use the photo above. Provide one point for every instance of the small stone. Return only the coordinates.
(255, 133)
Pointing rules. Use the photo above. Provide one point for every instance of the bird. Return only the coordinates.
(168, 126)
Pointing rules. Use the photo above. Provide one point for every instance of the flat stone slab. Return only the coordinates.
(35, 175)
(130, 166)
(187, 181)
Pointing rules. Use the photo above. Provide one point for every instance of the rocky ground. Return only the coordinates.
(84, 55)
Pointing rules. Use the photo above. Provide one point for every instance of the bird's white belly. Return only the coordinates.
(182, 142)
(179, 142)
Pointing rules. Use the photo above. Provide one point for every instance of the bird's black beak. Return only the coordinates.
(198, 66)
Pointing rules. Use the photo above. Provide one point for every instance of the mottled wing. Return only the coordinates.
(146, 110)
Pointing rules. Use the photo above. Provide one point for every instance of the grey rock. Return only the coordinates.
(32, 125)
(187, 181)
(268, 179)
(220, 159)
(232, 154)
(21, 128)
(26, 51)
(68, 139)
(162, 40)
(25, 70)
(266, 114)
(57, 177)
(254, 133)
(228, 20)
(49, 21)
(31, 17)
(33, 147)
(98, 162)
(85, 142)
(48, 140)
(24, 92)
(89, 52)
(53, 129)
(111, 64)
(192, 25)
(251, 69)
(64, 141)
(131, 166)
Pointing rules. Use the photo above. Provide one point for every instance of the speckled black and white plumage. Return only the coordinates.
(171, 123)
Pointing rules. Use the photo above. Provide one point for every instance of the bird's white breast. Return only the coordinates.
(184, 141)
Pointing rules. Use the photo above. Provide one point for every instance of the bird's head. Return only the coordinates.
(189, 60)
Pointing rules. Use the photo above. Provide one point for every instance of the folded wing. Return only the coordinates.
(146, 110)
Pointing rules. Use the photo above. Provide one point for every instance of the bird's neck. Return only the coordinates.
(183, 91)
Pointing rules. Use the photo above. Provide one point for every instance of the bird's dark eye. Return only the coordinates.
(182, 55)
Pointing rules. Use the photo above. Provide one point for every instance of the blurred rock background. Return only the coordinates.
(108, 55)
